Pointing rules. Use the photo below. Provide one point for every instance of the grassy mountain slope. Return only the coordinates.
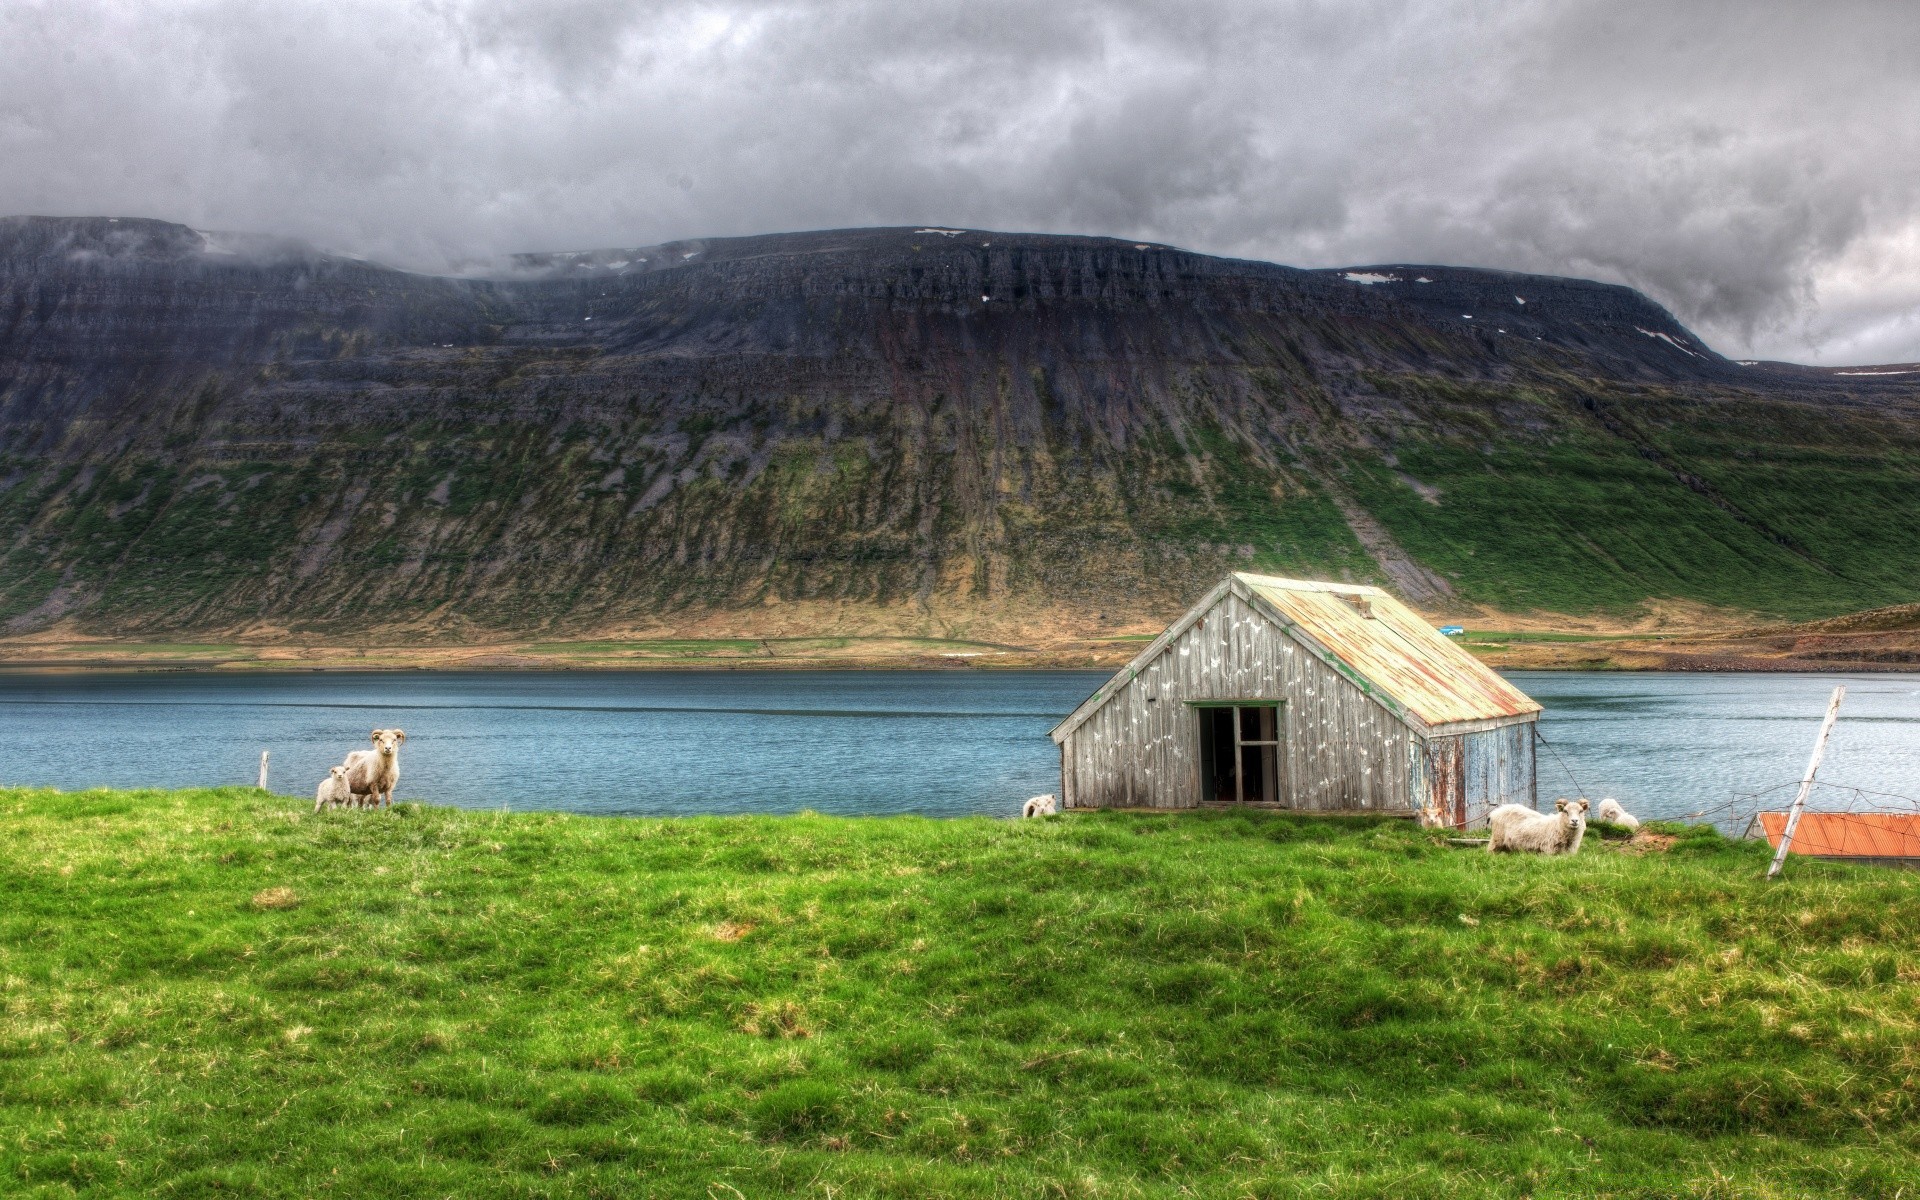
(935, 434)
(214, 993)
(1741, 501)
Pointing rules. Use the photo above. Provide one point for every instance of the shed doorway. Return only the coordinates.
(1240, 753)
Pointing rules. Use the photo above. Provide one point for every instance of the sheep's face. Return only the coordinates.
(339, 774)
(387, 741)
(1576, 810)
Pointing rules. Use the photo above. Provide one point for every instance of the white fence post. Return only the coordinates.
(263, 770)
(1806, 782)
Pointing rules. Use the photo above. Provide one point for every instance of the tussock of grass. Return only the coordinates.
(275, 897)
(1120, 1005)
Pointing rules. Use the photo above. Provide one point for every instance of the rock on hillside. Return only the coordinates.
(928, 429)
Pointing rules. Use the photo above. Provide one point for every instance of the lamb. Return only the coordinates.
(1611, 812)
(334, 790)
(1517, 827)
(1040, 806)
(373, 773)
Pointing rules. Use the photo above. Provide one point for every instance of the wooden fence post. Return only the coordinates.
(263, 770)
(1806, 782)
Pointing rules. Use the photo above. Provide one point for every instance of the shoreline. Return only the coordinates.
(1882, 640)
(1673, 657)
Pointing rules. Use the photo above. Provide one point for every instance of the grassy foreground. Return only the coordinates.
(216, 993)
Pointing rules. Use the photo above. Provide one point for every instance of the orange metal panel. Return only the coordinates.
(1848, 835)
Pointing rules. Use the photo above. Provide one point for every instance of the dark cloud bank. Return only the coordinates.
(1755, 166)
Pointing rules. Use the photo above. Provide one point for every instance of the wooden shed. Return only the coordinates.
(1320, 697)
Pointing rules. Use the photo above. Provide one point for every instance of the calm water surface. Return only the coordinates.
(941, 743)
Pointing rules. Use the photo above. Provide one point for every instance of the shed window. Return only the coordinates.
(1240, 753)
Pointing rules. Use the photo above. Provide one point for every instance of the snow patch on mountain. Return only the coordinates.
(1657, 335)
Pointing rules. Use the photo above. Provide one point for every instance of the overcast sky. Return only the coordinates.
(1755, 166)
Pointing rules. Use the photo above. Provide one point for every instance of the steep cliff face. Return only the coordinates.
(939, 428)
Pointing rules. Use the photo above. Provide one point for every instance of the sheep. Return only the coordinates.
(1517, 827)
(373, 773)
(1040, 806)
(1611, 812)
(334, 790)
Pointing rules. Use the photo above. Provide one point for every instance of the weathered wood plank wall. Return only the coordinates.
(1342, 750)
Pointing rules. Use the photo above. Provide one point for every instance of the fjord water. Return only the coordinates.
(942, 743)
(938, 743)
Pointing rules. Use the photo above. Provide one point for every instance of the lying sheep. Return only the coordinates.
(1517, 827)
(1040, 806)
(1611, 812)
(334, 790)
(373, 773)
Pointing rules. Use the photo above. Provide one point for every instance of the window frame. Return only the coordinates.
(1240, 744)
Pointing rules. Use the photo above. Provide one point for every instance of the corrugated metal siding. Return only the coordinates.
(1499, 770)
(1395, 651)
(1342, 749)
(1472, 773)
(1447, 767)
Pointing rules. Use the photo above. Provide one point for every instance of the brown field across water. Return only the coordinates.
(1883, 639)
(1665, 638)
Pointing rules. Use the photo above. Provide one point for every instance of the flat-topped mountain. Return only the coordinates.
(917, 429)
(235, 297)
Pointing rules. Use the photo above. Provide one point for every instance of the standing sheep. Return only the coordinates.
(1517, 827)
(1611, 812)
(373, 773)
(334, 790)
(1040, 806)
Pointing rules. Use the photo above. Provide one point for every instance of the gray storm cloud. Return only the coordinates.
(1754, 166)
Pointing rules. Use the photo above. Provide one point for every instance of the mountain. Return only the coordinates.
(942, 430)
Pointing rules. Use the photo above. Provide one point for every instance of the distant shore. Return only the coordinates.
(1819, 646)
(797, 654)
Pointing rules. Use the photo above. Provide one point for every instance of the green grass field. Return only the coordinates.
(696, 648)
(664, 647)
(1502, 637)
(218, 993)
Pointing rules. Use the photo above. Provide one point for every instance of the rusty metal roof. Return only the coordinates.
(1847, 835)
(1393, 650)
(1388, 651)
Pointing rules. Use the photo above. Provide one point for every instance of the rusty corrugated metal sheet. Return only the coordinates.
(1449, 766)
(1847, 835)
(1394, 651)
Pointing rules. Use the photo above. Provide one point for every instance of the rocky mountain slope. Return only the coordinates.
(930, 430)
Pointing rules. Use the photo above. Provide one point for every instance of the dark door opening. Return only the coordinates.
(1240, 754)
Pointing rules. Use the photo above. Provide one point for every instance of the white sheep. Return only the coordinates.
(1611, 812)
(373, 773)
(1040, 806)
(334, 791)
(1517, 827)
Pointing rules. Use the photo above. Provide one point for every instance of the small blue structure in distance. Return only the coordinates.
(1453, 630)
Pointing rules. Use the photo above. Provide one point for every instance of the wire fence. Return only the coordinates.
(1579, 789)
(1837, 819)
(1840, 820)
